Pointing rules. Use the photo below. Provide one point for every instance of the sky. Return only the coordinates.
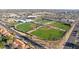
(39, 4)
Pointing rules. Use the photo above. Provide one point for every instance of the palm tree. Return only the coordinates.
(9, 39)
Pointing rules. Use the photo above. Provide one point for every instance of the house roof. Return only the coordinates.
(18, 42)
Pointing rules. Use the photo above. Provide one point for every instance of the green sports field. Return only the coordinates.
(45, 33)
(24, 27)
(48, 34)
(42, 21)
(61, 25)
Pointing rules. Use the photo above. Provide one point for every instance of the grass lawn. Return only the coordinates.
(48, 34)
(42, 21)
(24, 27)
(46, 22)
(54, 23)
(61, 25)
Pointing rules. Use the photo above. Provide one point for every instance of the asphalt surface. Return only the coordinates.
(23, 37)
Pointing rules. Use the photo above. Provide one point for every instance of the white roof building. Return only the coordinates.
(31, 16)
(26, 20)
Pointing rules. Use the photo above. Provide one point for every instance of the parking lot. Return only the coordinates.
(73, 41)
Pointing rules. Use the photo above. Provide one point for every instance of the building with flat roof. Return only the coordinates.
(24, 20)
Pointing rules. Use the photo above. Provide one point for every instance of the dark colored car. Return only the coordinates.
(7, 46)
(74, 33)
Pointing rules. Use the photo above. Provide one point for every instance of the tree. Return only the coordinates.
(9, 39)
(1, 45)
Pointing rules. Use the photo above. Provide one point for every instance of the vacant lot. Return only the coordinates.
(24, 27)
(48, 34)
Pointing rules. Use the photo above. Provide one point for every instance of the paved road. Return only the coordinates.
(23, 37)
(69, 44)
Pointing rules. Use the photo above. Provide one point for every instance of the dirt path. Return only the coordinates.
(34, 29)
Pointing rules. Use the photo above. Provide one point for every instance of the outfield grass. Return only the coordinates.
(24, 27)
(55, 23)
(46, 21)
(43, 21)
(61, 25)
(48, 34)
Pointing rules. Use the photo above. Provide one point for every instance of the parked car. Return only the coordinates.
(74, 33)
